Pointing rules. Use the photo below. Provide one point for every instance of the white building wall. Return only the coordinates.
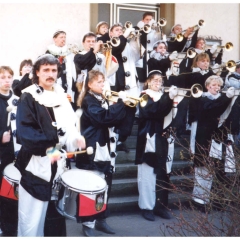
(27, 28)
(222, 20)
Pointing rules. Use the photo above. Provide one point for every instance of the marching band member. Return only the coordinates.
(102, 28)
(25, 77)
(126, 75)
(67, 76)
(97, 119)
(92, 58)
(204, 116)
(46, 128)
(200, 70)
(8, 148)
(160, 59)
(154, 151)
(147, 40)
(179, 46)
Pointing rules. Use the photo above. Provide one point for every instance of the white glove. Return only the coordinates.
(230, 92)
(128, 31)
(173, 55)
(122, 95)
(213, 48)
(216, 68)
(168, 73)
(164, 38)
(173, 92)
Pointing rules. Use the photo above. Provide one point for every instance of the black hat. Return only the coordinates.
(58, 32)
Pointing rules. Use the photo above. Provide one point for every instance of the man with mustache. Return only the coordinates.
(46, 126)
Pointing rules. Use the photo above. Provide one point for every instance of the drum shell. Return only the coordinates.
(74, 203)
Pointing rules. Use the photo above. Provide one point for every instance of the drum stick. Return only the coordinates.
(9, 109)
(89, 151)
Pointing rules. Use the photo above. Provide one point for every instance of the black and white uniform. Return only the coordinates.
(204, 114)
(147, 41)
(67, 78)
(8, 153)
(126, 75)
(97, 121)
(44, 119)
(154, 151)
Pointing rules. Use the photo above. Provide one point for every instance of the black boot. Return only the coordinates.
(163, 213)
(148, 214)
(102, 226)
(87, 231)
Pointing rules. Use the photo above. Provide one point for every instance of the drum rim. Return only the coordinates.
(11, 180)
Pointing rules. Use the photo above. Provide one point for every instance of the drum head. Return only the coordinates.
(83, 180)
(11, 172)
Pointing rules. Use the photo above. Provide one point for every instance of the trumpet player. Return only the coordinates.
(154, 150)
(159, 58)
(147, 40)
(102, 28)
(205, 115)
(92, 58)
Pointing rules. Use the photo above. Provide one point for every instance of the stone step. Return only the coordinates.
(130, 203)
(180, 153)
(126, 187)
(129, 170)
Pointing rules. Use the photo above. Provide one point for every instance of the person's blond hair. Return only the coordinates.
(212, 78)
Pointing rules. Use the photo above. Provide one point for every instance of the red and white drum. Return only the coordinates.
(10, 182)
(81, 193)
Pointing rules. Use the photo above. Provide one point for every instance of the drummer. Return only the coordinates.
(45, 133)
(8, 146)
(96, 122)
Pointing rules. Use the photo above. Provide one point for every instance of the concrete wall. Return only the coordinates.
(222, 20)
(27, 28)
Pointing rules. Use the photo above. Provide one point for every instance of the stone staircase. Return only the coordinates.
(124, 196)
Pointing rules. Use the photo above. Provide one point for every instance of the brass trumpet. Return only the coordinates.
(200, 24)
(196, 90)
(115, 41)
(228, 46)
(160, 23)
(191, 53)
(113, 96)
(230, 66)
(146, 28)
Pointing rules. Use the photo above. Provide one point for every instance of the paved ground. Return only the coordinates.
(134, 225)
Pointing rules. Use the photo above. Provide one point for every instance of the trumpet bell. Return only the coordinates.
(196, 90)
(128, 24)
(201, 23)
(143, 100)
(179, 37)
(162, 22)
(231, 66)
(147, 28)
(191, 52)
(115, 41)
(228, 46)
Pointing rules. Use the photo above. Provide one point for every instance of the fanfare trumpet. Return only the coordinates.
(146, 28)
(230, 66)
(196, 90)
(228, 46)
(115, 41)
(131, 101)
(160, 23)
(191, 53)
(179, 36)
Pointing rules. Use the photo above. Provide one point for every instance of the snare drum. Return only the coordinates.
(10, 182)
(81, 193)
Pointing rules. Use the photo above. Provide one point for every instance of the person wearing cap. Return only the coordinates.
(154, 151)
(102, 28)
(160, 59)
(8, 152)
(46, 129)
(67, 77)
